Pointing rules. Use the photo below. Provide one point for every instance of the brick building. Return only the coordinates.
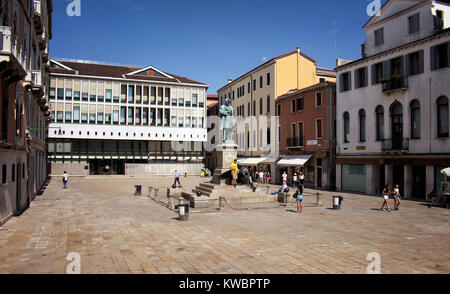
(307, 134)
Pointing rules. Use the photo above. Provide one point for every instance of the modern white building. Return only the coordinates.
(112, 119)
(393, 103)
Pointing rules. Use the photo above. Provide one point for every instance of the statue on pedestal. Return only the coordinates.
(228, 125)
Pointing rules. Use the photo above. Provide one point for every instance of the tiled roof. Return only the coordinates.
(307, 89)
(115, 71)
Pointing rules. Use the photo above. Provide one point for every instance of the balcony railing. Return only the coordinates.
(395, 145)
(295, 142)
(395, 83)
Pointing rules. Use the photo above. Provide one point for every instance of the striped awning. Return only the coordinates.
(294, 160)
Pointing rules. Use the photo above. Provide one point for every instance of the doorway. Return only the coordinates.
(399, 178)
(397, 126)
(382, 176)
(419, 183)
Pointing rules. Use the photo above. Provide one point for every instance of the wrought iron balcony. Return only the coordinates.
(395, 145)
(295, 142)
(395, 83)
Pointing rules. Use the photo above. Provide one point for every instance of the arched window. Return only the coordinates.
(4, 174)
(13, 173)
(415, 119)
(268, 136)
(362, 125)
(346, 127)
(268, 104)
(380, 122)
(442, 117)
(261, 106)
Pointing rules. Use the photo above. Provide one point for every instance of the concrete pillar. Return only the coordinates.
(429, 175)
(370, 184)
(389, 174)
(338, 177)
(274, 172)
(408, 181)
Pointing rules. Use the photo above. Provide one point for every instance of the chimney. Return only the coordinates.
(298, 50)
(230, 81)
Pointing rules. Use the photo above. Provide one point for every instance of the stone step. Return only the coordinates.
(208, 186)
(204, 189)
(203, 193)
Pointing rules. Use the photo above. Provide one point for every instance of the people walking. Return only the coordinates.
(299, 198)
(261, 177)
(386, 194)
(267, 179)
(302, 178)
(284, 178)
(65, 179)
(177, 180)
(397, 197)
(294, 180)
(234, 173)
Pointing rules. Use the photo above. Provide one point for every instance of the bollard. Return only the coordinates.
(138, 190)
(183, 210)
(337, 202)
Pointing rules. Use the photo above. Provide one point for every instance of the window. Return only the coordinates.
(268, 104)
(260, 82)
(92, 98)
(278, 109)
(268, 79)
(439, 56)
(108, 118)
(345, 81)
(130, 94)
(300, 104)
(115, 117)
(319, 99)
(414, 63)
(248, 109)
(254, 85)
(254, 107)
(379, 37)
(361, 78)
(301, 136)
(13, 173)
(108, 95)
(4, 174)
(322, 80)
(248, 88)
(233, 95)
(346, 127)
(319, 128)
(377, 73)
(362, 126)
(52, 93)
(268, 136)
(415, 119)
(380, 123)
(414, 23)
(293, 109)
(92, 118)
(84, 118)
(442, 113)
(68, 118)
(68, 94)
(123, 115)
(85, 96)
(261, 106)
(60, 94)
(76, 114)
(60, 116)
(76, 96)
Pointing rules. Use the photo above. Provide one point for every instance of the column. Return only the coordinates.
(429, 175)
(338, 177)
(370, 184)
(408, 181)
(389, 174)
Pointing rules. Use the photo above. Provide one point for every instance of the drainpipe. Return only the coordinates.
(429, 99)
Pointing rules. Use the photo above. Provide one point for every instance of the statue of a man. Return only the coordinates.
(228, 125)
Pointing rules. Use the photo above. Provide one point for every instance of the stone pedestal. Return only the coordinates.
(226, 154)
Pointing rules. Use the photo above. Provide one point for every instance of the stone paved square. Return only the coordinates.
(115, 232)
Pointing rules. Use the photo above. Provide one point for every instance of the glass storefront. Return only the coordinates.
(354, 178)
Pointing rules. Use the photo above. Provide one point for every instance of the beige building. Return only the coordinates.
(253, 98)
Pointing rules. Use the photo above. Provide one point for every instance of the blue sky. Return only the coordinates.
(209, 41)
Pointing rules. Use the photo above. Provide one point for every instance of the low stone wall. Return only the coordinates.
(72, 168)
(163, 169)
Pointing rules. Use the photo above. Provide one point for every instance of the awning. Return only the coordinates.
(294, 160)
(446, 171)
(253, 161)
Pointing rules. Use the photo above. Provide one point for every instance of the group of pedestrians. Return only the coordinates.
(395, 193)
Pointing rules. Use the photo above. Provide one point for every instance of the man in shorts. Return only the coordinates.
(234, 173)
